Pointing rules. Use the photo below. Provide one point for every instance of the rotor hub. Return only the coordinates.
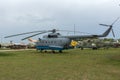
(54, 30)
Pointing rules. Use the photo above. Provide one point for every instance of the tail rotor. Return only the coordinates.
(113, 33)
(111, 26)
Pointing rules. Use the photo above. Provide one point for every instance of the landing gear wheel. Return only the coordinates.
(60, 51)
(41, 50)
(45, 51)
(53, 51)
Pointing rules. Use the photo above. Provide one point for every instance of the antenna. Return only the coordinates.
(1, 39)
(74, 29)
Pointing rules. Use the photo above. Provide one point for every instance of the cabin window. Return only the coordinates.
(52, 36)
(39, 39)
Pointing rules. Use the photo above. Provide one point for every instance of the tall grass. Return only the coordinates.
(72, 64)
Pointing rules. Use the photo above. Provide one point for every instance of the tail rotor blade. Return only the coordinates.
(115, 21)
(113, 33)
(104, 25)
(111, 24)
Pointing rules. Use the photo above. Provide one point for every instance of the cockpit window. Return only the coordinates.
(58, 33)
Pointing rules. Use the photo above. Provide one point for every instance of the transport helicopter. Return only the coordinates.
(55, 41)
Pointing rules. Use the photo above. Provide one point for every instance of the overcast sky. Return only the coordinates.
(17, 16)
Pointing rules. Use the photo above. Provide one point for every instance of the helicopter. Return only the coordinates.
(55, 41)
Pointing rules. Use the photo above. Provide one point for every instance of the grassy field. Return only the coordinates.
(72, 64)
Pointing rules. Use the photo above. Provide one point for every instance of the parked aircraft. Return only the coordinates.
(55, 41)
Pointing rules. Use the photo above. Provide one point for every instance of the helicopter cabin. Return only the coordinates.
(53, 41)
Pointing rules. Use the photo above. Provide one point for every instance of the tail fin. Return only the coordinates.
(106, 32)
(109, 29)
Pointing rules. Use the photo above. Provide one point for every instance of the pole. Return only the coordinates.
(74, 29)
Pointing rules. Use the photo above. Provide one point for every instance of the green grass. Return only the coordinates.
(72, 64)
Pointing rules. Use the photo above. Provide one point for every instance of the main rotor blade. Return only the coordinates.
(115, 21)
(113, 33)
(34, 35)
(22, 34)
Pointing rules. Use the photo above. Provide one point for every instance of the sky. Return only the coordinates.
(18, 16)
